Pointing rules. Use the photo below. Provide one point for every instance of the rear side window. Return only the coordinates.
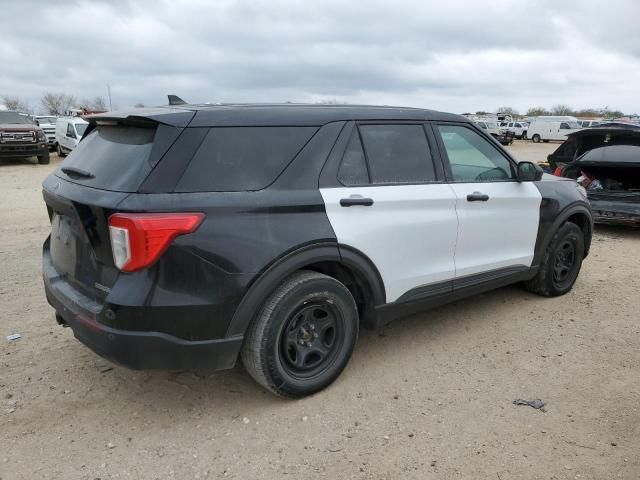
(397, 154)
(242, 158)
(115, 156)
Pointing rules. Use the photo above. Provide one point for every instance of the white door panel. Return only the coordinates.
(500, 232)
(409, 232)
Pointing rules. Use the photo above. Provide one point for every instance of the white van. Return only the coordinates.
(69, 131)
(547, 128)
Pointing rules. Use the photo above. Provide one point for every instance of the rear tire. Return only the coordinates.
(536, 138)
(561, 263)
(303, 336)
(44, 159)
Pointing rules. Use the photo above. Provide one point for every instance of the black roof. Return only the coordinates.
(271, 114)
(608, 128)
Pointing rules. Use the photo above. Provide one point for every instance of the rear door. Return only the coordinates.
(387, 198)
(498, 216)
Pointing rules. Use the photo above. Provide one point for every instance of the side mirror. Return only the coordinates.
(529, 172)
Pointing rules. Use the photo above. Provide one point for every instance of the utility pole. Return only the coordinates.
(109, 93)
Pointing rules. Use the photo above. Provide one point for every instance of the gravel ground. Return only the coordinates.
(430, 397)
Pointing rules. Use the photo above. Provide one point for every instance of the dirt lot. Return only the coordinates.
(429, 397)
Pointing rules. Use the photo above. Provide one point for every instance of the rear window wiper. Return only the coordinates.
(77, 172)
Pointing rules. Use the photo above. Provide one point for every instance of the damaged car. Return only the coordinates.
(605, 160)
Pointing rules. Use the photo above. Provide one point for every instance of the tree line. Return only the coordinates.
(60, 103)
(561, 109)
(53, 103)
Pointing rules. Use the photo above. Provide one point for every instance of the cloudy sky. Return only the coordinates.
(450, 55)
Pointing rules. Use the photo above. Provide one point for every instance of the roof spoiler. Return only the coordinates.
(176, 100)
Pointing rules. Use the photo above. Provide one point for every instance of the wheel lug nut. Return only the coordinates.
(312, 326)
(301, 342)
(308, 344)
(315, 335)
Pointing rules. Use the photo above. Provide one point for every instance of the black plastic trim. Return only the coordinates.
(435, 295)
(546, 234)
(265, 283)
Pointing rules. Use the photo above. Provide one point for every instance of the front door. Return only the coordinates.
(389, 203)
(498, 215)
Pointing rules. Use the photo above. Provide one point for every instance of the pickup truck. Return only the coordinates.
(20, 137)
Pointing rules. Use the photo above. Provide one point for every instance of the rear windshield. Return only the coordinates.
(116, 156)
(242, 158)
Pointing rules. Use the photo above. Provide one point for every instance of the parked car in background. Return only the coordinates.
(552, 128)
(518, 128)
(605, 160)
(20, 137)
(187, 237)
(69, 131)
(492, 128)
(588, 123)
(48, 124)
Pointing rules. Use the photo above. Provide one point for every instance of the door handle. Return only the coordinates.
(477, 197)
(353, 200)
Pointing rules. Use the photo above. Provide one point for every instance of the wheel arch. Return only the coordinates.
(347, 265)
(578, 214)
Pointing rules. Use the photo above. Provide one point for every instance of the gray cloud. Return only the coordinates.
(455, 56)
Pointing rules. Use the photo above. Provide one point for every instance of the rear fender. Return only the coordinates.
(298, 259)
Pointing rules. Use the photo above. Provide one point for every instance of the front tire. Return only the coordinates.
(303, 336)
(59, 150)
(561, 263)
(44, 159)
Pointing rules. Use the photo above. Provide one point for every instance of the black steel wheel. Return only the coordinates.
(310, 338)
(303, 336)
(561, 264)
(564, 262)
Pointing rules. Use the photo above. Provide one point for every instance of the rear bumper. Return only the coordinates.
(139, 350)
(615, 212)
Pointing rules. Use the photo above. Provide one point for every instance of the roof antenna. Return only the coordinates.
(176, 100)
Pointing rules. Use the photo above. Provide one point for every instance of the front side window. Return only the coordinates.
(397, 154)
(80, 128)
(70, 132)
(472, 158)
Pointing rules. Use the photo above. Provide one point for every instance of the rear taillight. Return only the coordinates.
(138, 239)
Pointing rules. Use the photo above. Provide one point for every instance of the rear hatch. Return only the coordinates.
(111, 162)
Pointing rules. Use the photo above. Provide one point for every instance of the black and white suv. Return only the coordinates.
(184, 237)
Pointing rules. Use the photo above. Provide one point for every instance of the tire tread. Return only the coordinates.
(256, 339)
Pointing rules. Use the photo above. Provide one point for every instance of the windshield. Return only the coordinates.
(46, 119)
(80, 128)
(492, 125)
(15, 117)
